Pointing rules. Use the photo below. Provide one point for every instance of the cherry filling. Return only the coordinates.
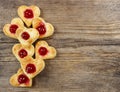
(13, 28)
(22, 53)
(43, 51)
(30, 68)
(41, 29)
(23, 79)
(25, 35)
(28, 13)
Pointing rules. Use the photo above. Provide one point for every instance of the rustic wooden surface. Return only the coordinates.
(87, 38)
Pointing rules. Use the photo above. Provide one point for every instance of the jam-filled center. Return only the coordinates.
(13, 28)
(28, 13)
(30, 68)
(41, 29)
(23, 79)
(25, 36)
(43, 51)
(22, 53)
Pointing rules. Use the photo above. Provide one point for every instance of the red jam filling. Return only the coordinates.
(28, 13)
(25, 35)
(43, 51)
(23, 79)
(22, 53)
(41, 29)
(30, 68)
(13, 28)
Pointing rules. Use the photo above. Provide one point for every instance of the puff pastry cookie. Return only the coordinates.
(20, 79)
(21, 52)
(27, 36)
(32, 67)
(45, 29)
(28, 13)
(10, 29)
(35, 28)
(44, 51)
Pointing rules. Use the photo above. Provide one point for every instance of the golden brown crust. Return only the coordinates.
(36, 12)
(14, 80)
(6, 27)
(49, 27)
(33, 36)
(17, 47)
(51, 50)
(39, 64)
(26, 44)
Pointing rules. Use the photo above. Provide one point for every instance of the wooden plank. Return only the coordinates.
(74, 76)
(71, 53)
(82, 24)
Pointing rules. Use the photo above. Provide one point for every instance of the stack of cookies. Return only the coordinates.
(27, 29)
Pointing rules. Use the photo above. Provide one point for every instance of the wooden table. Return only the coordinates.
(87, 39)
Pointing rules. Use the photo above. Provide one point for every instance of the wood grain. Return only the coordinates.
(87, 39)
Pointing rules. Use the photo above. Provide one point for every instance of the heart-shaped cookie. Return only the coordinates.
(32, 67)
(44, 51)
(44, 29)
(20, 79)
(10, 29)
(28, 13)
(27, 36)
(21, 52)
